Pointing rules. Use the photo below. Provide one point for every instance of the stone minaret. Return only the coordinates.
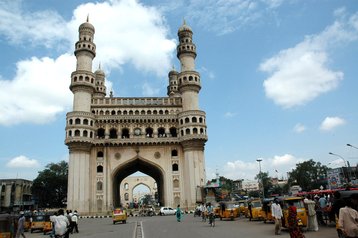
(192, 122)
(80, 129)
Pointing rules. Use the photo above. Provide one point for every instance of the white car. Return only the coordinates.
(167, 211)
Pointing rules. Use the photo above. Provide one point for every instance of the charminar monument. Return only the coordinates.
(110, 138)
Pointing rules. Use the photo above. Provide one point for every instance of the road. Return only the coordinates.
(167, 226)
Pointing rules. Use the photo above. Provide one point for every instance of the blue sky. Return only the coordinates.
(279, 77)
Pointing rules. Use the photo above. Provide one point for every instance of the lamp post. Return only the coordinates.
(352, 146)
(262, 181)
(345, 164)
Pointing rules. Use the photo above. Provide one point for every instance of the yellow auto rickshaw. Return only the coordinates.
(119, 215)
(47, 225)
(38, 221)
(256, 207)
(301, 210)
(242, 207)
(8, 225)
(266, 210)
(228, 210)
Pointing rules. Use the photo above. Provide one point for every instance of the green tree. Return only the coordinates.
(50, 186)
(309, 175)
(263, 177)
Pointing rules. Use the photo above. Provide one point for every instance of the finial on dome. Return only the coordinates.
(99, 65)
(184, 22)
(87, 20)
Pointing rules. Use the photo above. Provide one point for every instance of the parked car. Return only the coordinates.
(167, 211)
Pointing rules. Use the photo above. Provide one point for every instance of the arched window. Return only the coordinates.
(77, 133)
(85, 122)
(201, 120)
(161, 132)
(99, 169)
(100, 133)
(174, 153)
(85, 133)
(99, 186)
(126, 186)
(173, 132)
(149, 132)
(99, 154)
(113, 112)
(194, 120)
(195, 131)
(175, 167)
(187, 120)
(125, 133)
(70, 133)
(70, 121)
(201, 131)
(187, 131)
(126, 196)
(77, 121)
(113, 133)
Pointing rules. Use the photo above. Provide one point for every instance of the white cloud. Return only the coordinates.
(230, 114)
(22, 162)
(148, 90)
(39, 91)
(299, 128)
(329, 123)
(300, 74)
(248, 170)
(38, 28)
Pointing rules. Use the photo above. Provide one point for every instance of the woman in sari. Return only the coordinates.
(293, 227)
(178, 213)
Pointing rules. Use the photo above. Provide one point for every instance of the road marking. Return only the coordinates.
(138, 230)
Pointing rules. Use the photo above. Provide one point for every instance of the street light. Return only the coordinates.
(352, 146)
(345, 164)
(262, 181)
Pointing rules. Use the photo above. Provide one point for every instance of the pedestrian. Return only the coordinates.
(249, 206)
(293, 227)
(276, 212)
(21, 225)
(322, 203)
(61, 224)
(312, 215)
(69, 217)
(74, 220)
(348, 218)
(178, 213)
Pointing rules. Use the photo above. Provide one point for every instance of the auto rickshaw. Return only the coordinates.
(228, 210)
(341, 197)
(7, 226)
(301, 211)
(266, 210)
(119, 215)
(242, 207)
(47, 225)
(38, 221)
(256, 207)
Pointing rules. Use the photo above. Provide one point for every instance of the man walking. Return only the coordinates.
(277, 215)
(21, 225)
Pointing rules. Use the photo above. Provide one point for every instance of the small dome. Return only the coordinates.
(99, 72)
(184, 27)
(87, 25)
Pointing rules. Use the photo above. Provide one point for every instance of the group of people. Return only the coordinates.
(64, 224)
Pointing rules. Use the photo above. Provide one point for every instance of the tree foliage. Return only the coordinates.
(309, 175)
(263, 177)
(50, 186)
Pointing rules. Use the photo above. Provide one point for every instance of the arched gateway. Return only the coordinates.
(109, 138)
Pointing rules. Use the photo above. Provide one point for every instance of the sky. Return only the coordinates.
(279, 77)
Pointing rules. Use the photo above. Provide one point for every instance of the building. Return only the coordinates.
(250, 185)
(15, 195)
(109, 138)
(130, 183)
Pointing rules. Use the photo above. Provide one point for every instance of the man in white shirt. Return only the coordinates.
(61, 223)
(277, 215)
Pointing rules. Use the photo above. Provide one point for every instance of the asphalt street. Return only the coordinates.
(190, 226)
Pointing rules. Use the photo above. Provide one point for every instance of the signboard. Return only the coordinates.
(334, 180)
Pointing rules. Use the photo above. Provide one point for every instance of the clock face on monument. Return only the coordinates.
(137, 131)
